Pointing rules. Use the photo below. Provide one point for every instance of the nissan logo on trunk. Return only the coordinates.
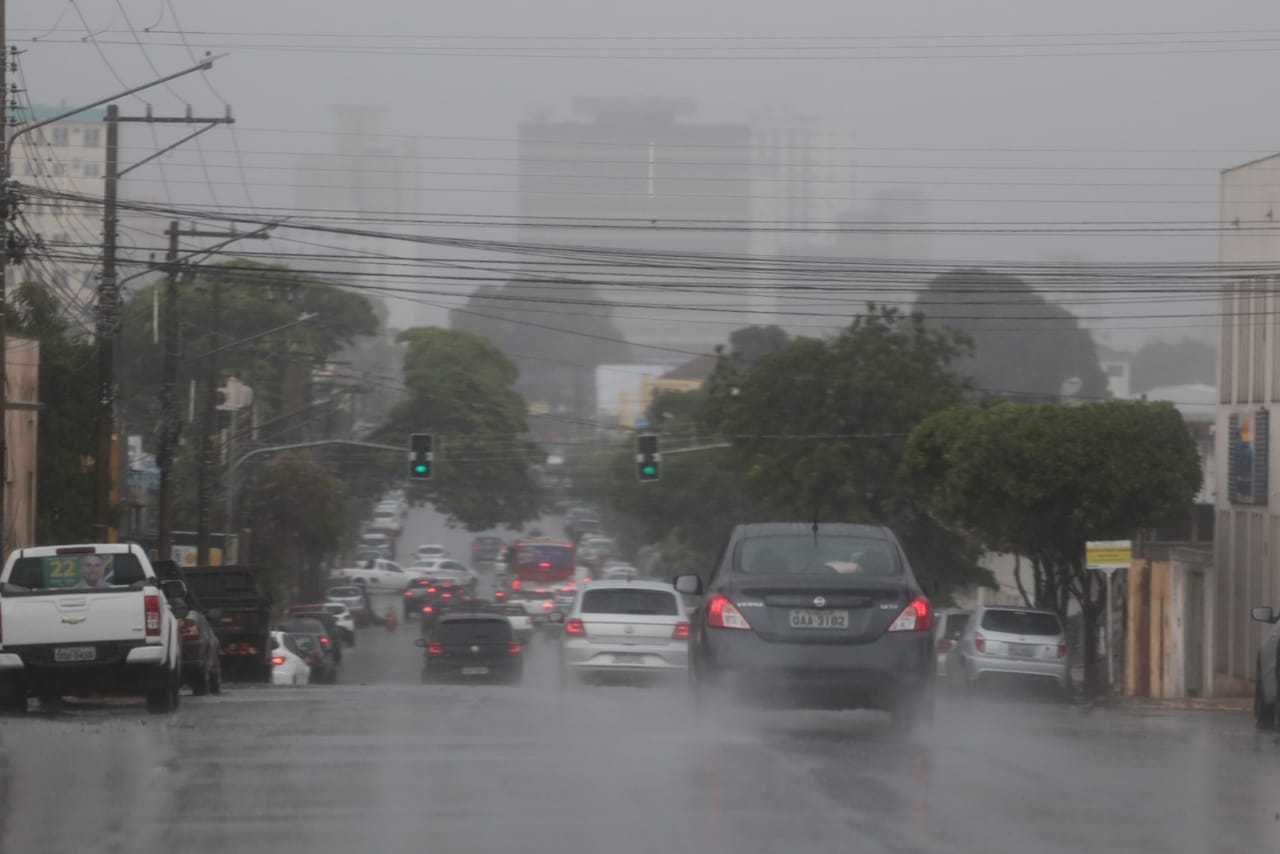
(819, 601)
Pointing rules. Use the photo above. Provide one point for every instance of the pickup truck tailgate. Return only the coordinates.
(67, 618)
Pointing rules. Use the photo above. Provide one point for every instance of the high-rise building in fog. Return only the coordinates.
(636, 174)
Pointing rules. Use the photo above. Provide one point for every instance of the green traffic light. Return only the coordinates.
(650, 470)
(420, 468)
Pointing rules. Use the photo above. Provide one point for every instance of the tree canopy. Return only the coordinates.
(1166, 363)
(1042, 480)
(1023, 344)
(460, 390)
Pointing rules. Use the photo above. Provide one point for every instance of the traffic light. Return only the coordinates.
(648, 459)
(420, 456)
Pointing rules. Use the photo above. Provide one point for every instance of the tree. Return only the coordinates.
(556, 333)
(819, 429)
(751, 343)
(460, 390)
(1166, 363)
(1042, 480)
(1023, 344)
(297, 511)
(65, 434)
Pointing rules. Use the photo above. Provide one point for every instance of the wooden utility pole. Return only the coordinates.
(109, 306)
(170, 426)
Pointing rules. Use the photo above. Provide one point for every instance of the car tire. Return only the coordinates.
(215, 677)
(13, 697)
(162, 699)
(1264, 713)
(200, 682)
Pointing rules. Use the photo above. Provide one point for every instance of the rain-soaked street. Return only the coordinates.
(381, 762)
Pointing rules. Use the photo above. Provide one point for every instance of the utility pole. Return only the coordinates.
(109, 305)
(169, 423)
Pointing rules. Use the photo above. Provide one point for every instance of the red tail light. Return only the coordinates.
(944, 645)
(1062, 650)
(575, 627)
(513, 648)
(916, 617)
(435, 648)
(586, 581)
(723, 614)
(498, 594)
(446, 595)
(408, 593)
(515, 584)
(151, 614)
(277, 660)
(190, 631)
(427, 609)
(979, 642)
(547, 606)
(682, 630)
(432, 590)
(324, 640)
(544, 566)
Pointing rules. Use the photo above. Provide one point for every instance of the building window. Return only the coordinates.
(91, 170)
(61, 136)
(92, 137)
(59, 168)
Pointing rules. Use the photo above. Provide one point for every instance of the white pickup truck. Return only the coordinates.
(88, 619)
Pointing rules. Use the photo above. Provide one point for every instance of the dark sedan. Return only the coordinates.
(828, 618)
(473, 646)
(201, 653)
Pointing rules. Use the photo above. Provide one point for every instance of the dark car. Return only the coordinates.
(830, 618)
(417, 593)
(486, 549)
(201, 651)
(333, 632)
(325, 669)
(472, 646)
(439, 601)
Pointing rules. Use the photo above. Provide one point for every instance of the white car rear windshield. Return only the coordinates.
(656, 603)
(86, 571)
(1022, 623)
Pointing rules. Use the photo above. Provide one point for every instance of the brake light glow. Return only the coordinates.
(515, 584)
(544, 565)
(151, 614)
(575, 627)
(979, 642)
(682, 630)
(916, 617)
(446, 595)
(513, 648)
(944, 645)
(277, 660)
(547, 606)
(723, 614)
(435, 648)
(324, 640)
(1062, 650)
(408, 593)
(427, 609)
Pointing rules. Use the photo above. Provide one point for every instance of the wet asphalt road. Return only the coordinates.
(382, 763)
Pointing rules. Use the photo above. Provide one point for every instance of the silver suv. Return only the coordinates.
(1017, 644)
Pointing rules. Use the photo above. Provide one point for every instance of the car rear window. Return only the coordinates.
(346, 592)
(88, 571)
(956, 624)
(805, 554)
(474, 631)
(656, 603)
(550, 555)
(1022, 622)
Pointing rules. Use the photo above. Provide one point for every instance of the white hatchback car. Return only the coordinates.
(431, 551)
(624, 628)
(287, 666)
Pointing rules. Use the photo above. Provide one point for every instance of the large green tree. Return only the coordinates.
(1023, 344)
(1166, 363)
(460, 389)
(1042, 480)
(65, 436)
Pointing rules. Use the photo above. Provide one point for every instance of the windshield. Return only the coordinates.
(548, 554)
(76, 572)
(474, 631)
(656, 603)
(803, 554)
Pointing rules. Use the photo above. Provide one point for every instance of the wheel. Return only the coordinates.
(200, 682)
(215, 677)
(13, 697)
(1264, 713)
(162, 699)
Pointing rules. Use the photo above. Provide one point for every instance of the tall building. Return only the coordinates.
(69, 157)
(633, 179)
(369, 176)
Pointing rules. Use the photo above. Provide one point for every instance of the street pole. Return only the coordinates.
(169, 426)
(104, 416)
(6, 204)
(205, 469)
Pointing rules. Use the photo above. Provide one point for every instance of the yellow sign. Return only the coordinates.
(1108, 554)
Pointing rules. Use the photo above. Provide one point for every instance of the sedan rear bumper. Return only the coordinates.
(976, 667)
(584, 656)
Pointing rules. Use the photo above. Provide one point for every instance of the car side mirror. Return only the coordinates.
(1263, 614)
(689, 585)
(180, 608)
(419, 641)
(555, 617)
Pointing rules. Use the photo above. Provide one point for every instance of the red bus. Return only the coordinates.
(541, 560)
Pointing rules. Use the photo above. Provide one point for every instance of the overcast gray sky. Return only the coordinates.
(1116, 89)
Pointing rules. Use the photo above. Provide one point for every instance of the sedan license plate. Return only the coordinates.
(628, 658)
(805, 618)
(1022, 650)
(75, 653)
(475, 671)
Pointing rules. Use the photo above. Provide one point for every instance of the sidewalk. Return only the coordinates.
(1186, 704)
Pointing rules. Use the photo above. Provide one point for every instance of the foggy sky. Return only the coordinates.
(1210, 105)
